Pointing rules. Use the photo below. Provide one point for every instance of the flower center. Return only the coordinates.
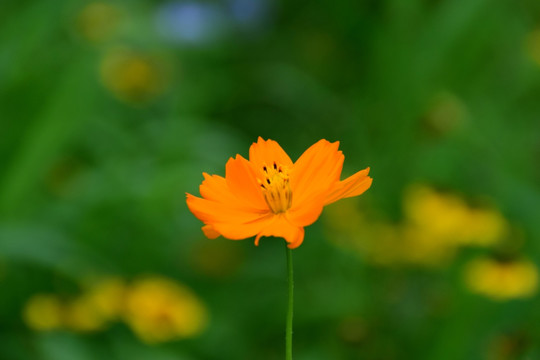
(276, 189)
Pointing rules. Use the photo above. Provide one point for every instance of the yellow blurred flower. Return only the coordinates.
(483, 227)
(132, 76)
(532, 46)
(92, 310)
(435, 213)
(101, 303)
(447, 218)
(107, 297)
(502, 280)
(158, 310)
(434, 227)
(381, 243)
(421, 248)
(398, 244)
(97, 21)
(43, 312)
(81, 315)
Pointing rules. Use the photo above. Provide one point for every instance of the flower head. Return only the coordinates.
(133, 76)
(502, 280)
(159, 310)
(98, 21)
(81, 314)
(269, 195)
(43, 312)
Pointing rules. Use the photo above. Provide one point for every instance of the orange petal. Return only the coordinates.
(316, 171)
(352, 186)
(307, 212)
(239, 231)
(210, 212)
(242, 182)
(215, 188)
(210, 232)
(265, 152)
(281, 227)
(297, 240)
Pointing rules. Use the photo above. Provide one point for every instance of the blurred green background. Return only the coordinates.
(111, 111)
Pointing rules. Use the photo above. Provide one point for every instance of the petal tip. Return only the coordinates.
(257, 239)
(294, 245)
(369, 180)
(210, 232)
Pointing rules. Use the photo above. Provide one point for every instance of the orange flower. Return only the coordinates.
(269, 195)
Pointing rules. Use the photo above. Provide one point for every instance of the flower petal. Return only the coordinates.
(316, 171)
(210, 212)
(215, 188)
(239, 231)
(307, 212)
(281, 227)
(242, 182)
(265, 152)
(352, 186)
(210, 232)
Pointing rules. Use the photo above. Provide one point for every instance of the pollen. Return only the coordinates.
(276, 188)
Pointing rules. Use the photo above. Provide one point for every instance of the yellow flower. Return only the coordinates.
(43, 312)
(437, 214)
(269, 195)
(81, 315)
(159, 310)
(502, 280)
(532, 46)
(98, 20)
(421, 248)
(107, 297)
(447, 218)
(483, 227)
(434, 227)
(131, 76)
(102, 302)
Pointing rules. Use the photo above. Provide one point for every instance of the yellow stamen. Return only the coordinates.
(276, 188)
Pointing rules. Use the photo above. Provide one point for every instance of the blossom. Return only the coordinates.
(98, 21)
(435, 226)
(93, 310)
(502, 280)
(133, 76)
(269, 195)
(159, 310)
(107, 297)
(81, 314)
(450, 219)
(43, 312)
(532, 45)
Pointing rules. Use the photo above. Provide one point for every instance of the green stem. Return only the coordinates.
(289, 326)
